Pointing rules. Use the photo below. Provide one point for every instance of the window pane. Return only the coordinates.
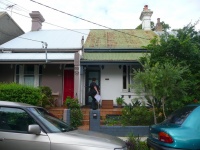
(14, 119)
(124, 77)
(40, 69)
(17, 78)
(28, 69)
(29, 80)
(17, 69)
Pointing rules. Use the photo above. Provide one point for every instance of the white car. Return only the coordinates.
(27, 127)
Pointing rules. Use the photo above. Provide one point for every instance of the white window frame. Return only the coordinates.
(129, 80)
(21, 75)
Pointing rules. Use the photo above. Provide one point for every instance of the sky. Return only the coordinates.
(115, 14)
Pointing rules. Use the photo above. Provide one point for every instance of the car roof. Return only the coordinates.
(194, 105)
(19, 104)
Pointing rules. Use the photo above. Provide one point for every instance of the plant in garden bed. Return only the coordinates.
(133, 114)
(135, 143)
(76, 115)
(113, 120)
(47, 98)
(119, 101)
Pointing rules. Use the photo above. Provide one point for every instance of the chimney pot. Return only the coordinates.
(37, 20)
(145, 17)
(145, 7)
(158, 25)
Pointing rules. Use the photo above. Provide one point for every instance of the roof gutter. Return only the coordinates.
(118, 50)
(52, 50)
(109, 62)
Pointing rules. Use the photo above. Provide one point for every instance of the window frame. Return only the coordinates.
(20, 74)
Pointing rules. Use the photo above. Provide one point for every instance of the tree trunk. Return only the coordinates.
(154, 111)
(163, 106)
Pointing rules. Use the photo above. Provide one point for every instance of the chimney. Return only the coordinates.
(145, 17)
(158, 25)
(37, 20)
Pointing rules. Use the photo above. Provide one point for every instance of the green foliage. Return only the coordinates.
(120, 100)
(134, 116)
(133, 103)
(20, 93)
(171, 73)
(76, 115)
(71, 103)
(135, 143)
(47, 98)
(113, 121)
(161, 82)
(181, 49)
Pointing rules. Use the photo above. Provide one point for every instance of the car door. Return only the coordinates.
(14, 134)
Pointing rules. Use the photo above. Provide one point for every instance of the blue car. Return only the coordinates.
(181, 130)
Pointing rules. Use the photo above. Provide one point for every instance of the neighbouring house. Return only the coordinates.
(44, 58)
(8, 28)
(67, 60)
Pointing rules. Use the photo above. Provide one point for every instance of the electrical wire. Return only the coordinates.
(87, 20)
(18, 6)
(60, 27)
(22, 37)
(75, 17)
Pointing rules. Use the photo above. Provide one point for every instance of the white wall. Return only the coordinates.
(111, 82)
(111, 85)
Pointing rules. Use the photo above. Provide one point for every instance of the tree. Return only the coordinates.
(181, 48)
(159, 82)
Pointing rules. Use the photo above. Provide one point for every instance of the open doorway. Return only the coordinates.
(89, 75)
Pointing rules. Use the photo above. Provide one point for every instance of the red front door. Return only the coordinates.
(68, 84)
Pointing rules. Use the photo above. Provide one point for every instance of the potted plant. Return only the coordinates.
(119, 101)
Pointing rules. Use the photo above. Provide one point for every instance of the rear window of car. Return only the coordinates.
(179, 115)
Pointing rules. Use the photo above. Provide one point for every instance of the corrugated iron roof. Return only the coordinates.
(122, 38)
(56, 39)
(36, 57)
(9, 29)
(1, 13)
(112, 56)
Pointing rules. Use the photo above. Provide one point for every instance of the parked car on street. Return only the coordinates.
(181, 130)
(27, 127)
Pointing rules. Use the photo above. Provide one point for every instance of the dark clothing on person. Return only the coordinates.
(92, 93)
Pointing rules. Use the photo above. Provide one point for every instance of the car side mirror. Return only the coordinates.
(34, 129)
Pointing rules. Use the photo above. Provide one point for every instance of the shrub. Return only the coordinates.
(20, 93)
(119, 100)
(135, 143)
(47, 98)
(112, 120)
(135, 116)
(76, 115)
(71, 103)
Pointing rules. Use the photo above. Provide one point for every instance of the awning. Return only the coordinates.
(34, 57)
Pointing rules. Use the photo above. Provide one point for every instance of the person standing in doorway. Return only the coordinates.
(94, 89)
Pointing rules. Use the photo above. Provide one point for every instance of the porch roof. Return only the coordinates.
(112, 56)
(33, 57)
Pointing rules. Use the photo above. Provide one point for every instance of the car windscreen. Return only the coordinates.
(179, 115)
(52, 123)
